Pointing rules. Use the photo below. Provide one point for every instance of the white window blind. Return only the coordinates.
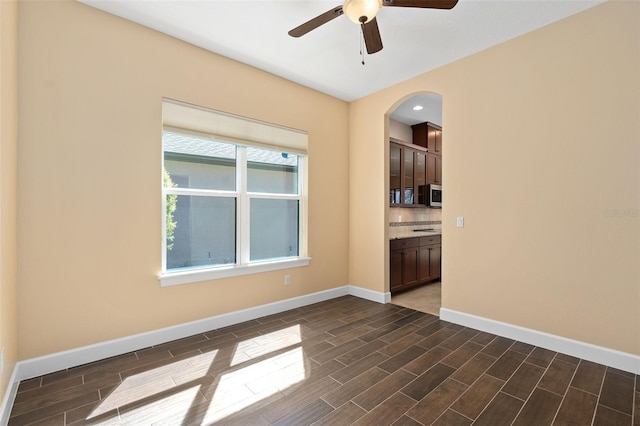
(232, 127)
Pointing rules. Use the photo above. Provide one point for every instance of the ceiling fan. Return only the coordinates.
(364, 12)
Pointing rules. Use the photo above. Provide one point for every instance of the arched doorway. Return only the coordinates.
(414, 220)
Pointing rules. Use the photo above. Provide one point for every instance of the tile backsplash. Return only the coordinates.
(403, 221)
(398, 216)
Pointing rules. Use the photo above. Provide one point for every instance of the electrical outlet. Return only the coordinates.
(287, 279)
(460, 222)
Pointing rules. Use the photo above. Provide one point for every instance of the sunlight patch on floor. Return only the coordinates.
(152, 382)
(209, 386)
(172, 409)
(264, 344)
(241, 388)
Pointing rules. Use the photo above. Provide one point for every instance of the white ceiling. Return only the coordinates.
(327, 59)
(431, 111)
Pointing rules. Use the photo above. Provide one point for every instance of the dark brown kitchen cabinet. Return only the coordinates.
(404, 270)
(395, 176)
(420, 178)
(414, 261)
(430, 258)
(434, 169)
(428, 135)
(420, 134)
(407, 175)
(434, 139)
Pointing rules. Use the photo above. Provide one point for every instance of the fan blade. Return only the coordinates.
(372, 37)
(316, 22)
(430, 4)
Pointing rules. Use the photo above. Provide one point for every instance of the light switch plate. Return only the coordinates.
(460, 222)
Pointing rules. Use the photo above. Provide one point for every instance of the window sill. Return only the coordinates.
(185, 277)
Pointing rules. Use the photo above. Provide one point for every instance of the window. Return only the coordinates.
(230, 207)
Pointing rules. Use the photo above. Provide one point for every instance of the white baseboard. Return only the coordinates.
(62, 360)
(374, 296)
(9, 397)
(601, 355)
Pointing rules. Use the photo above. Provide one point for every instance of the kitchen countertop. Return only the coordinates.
(397, 232)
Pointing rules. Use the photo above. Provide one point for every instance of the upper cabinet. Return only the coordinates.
(420, 135)
(434, 169)
(407, 175)
(395, 174)
(415, 166)
(421, 176)
(434, 139)
(428, 135)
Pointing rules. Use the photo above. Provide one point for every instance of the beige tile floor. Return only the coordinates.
(426, 298)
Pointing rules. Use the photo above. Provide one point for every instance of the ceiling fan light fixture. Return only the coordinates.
(361, 11)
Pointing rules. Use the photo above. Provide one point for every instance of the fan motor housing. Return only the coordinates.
(361, 11)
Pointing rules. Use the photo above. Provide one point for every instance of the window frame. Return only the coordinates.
(243, 264)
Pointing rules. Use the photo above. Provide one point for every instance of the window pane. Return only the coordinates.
(274, 228)
(204, 233)
(271, 171)
(200, 163)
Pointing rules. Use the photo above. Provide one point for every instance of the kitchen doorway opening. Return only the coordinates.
(413, 156)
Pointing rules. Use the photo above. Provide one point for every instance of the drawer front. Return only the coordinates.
(432, 240)
(404, 243)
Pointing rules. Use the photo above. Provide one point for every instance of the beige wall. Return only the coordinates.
(8, 174)
(542, 142)
(556, 108)
(400, 131)
(90, 88)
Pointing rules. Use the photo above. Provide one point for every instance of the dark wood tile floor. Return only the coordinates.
(344, 361)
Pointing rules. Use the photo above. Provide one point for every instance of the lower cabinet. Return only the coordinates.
(404, 255)
(430, 256)
(414, 261)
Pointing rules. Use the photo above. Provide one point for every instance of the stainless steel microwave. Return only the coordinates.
(434, 196)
